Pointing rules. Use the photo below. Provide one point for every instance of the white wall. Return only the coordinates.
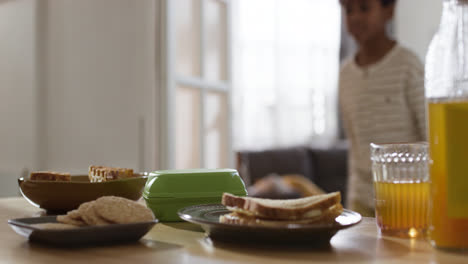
(416, 22)
(99, 84)
(17, 84)
(77, 86)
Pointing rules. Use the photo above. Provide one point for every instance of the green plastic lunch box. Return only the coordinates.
(168, 191)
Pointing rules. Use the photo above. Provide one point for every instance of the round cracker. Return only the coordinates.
(121, 210)
(88, 213)
(82, 210)
(74, 214)
(65, 219)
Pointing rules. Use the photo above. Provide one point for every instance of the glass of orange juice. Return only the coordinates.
(401, 185)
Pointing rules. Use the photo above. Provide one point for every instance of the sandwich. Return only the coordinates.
(103, 174)
(49, 176)
(318, 209)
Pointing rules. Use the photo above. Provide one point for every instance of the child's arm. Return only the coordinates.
(416, 98)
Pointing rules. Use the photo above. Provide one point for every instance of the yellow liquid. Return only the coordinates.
(448, 139)
(402, 207)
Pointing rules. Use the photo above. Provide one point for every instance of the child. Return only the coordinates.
(381, 94)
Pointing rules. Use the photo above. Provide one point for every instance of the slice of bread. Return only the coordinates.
(49, 176)
(294, 209)
(103, 174)
(327, 217)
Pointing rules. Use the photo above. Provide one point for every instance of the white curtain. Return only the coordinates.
(285, 72)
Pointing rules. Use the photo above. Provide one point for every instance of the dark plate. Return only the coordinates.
(208, 217)
(55, 196)
(80, 236)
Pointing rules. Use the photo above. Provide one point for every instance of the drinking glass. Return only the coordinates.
(401, 185)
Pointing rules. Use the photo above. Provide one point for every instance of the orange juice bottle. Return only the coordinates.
(448, 137)
(446, 85)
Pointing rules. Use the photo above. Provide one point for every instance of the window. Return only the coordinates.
(196, 94)
(285, 72)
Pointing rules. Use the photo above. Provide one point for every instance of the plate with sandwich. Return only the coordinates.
(315, 219)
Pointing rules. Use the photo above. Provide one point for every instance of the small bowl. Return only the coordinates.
(56, 196)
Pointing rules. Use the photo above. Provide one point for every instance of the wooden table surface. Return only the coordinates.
(186, 243)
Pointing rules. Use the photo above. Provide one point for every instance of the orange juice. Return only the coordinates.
(402, 207)
(448, 139)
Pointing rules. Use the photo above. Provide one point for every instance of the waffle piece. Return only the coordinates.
(103, 174)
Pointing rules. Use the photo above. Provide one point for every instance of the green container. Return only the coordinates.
(168, 191)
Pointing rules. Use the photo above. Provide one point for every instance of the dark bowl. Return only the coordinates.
(59, 197)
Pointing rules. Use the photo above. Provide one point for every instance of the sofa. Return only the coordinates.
(326, 167)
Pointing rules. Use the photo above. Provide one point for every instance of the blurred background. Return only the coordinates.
(154, 84)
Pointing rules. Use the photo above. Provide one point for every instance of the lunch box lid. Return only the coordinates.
(191, 183)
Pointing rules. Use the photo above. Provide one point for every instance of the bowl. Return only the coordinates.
(57, 197)
(165, 195)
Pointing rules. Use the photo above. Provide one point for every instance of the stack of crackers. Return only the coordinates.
(105, 211)
(49, 176)
(95, 174)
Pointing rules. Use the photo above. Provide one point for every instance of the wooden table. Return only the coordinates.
(186, 243)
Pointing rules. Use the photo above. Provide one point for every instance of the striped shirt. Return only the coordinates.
(381, 103)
